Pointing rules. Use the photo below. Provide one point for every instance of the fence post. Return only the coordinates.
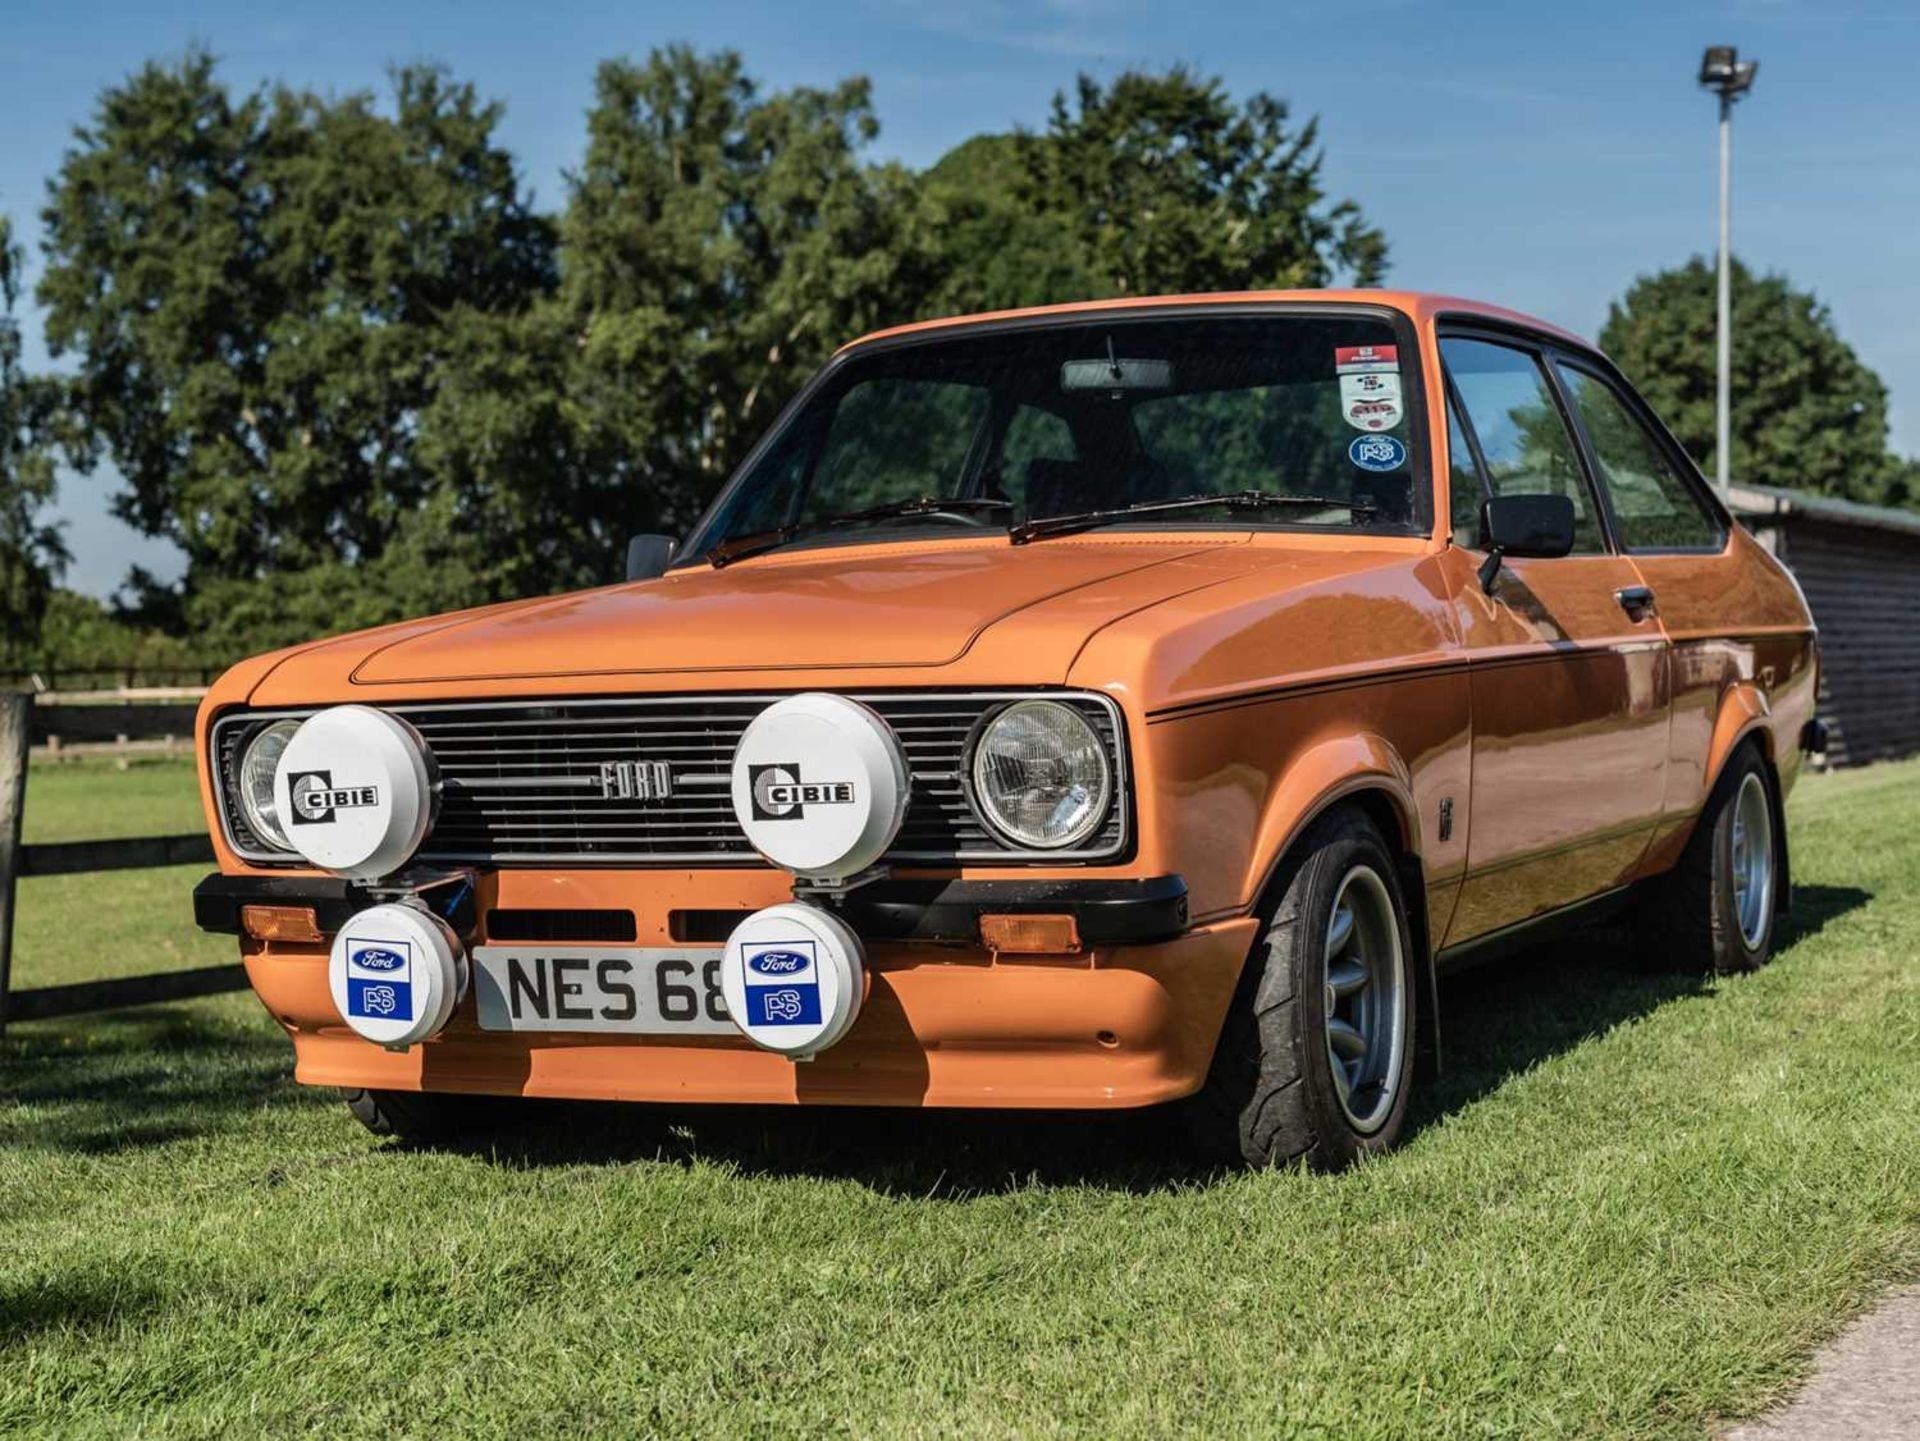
(16, 724)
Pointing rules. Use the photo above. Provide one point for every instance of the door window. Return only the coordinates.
(1653, 506)
(1522, 434)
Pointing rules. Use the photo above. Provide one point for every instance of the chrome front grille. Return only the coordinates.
(582, 781)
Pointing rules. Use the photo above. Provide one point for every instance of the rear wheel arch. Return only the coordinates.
(1760, 741)
(1691, 917)
(1745, 715)
(1745, 723)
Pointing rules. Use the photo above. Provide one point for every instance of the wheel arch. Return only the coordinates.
(1360, 768)
(1746, 719)
(1363, 771)
(1745, 714)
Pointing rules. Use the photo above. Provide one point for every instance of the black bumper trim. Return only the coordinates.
(1107, 912)
(218, 898)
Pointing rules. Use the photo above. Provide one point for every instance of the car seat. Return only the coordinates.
(1061, 487)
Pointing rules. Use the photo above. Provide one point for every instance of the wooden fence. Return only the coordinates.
(22, 724)
(82, 676)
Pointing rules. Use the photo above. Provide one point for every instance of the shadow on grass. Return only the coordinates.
(130, 1080)
(144, 1078)
(84, 1303)
(1499, 1021)
(1814, 907)
(1504, 1019)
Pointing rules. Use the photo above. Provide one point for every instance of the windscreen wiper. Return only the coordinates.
(739, 547)
(1233, 500)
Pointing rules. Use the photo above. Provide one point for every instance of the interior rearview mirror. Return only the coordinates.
(1523, 525)
(648, 556)
(1116, 375)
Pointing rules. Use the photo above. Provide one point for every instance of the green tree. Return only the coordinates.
(81, 641)
(262, 294)
(717, 245)
(1155, 184)
(1808, 414)
(1002, 248)
(31, 553)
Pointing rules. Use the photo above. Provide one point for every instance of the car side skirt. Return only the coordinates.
(1533, 931)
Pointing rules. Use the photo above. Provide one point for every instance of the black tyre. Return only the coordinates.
(1316, 1060)
(1716, 910)
(419, 1115)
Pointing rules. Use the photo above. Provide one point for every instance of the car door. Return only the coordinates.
(1568, 672)
(1727, 614)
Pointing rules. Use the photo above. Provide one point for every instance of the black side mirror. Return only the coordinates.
(648, 556)
(1523, 525)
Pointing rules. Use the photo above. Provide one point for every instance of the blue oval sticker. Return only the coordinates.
(1377, 452)
(376, 960)
(777, 963)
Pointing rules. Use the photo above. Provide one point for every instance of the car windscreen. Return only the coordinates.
(1100, 413)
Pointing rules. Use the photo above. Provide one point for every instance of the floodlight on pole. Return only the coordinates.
(1728, 76)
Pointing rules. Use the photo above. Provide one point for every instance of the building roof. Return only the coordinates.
(1773, 502)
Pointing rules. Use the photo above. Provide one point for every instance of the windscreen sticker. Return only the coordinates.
(1377, 452)
(1371, 400)
(1366, 359)
(1373, 415)
(1372, 385)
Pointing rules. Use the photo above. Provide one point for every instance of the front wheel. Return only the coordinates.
(421, 1116)
(1316, 1059)
(1715, 910)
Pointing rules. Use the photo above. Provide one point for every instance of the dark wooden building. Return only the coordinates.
(1860, 568)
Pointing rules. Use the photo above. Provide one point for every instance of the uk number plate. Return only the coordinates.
(637, 991)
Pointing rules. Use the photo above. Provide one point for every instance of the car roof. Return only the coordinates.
(1420, 305)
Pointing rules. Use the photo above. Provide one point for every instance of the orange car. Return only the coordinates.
(1097, 706)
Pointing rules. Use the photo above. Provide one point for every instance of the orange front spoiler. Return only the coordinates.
(1123, 1026)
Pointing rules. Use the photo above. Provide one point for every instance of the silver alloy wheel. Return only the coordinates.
(1366, 978)
(1752, 859)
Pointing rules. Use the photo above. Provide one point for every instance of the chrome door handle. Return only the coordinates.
(1635, 600)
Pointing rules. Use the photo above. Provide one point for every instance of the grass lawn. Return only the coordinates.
(89, 927)
(93, 799)
(1633, 1205)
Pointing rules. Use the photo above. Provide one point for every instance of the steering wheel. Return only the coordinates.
(973, 520)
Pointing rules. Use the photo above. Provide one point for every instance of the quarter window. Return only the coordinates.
(1463, 482)
(1522, 434)
(1653, 506)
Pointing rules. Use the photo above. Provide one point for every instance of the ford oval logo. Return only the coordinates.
(376, 960)
(778, 963)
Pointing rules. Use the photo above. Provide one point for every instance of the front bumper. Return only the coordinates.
(1131, 1020)
(1105, 912)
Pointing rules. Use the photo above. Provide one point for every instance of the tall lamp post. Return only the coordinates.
(1728, 76)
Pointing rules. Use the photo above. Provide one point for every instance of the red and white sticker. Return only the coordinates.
(1373, 414)
(1365, 359)
(1371, 400)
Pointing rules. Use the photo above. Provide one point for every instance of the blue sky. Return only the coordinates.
(1537, 154)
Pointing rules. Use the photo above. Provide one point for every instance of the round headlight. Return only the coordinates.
(1041, 777)
(255, 782)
